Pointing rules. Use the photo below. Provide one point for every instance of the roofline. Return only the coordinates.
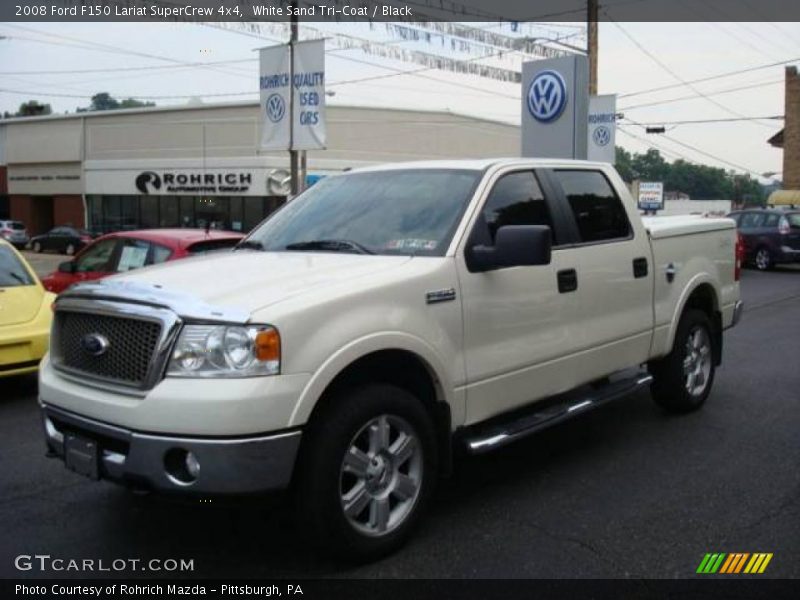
(236, 104)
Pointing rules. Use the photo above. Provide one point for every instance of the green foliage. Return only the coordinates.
(105, 101)
(700, 182)
(31, 108)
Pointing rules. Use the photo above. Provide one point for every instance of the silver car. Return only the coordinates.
(14, 232)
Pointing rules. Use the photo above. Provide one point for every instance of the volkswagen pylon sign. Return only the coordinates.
(555, 107)
(602, 127)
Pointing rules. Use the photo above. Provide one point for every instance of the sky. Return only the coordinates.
(43, 61)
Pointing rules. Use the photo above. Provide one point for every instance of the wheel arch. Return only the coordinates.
(397, 359)
(703, 295)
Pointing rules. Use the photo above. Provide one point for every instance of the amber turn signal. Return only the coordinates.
(268, 345)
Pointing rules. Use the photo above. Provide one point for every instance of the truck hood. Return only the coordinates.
(243, 281)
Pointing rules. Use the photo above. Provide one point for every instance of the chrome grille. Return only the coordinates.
(132, 345)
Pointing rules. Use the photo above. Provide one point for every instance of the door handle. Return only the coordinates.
(567, 281)
(639, 267)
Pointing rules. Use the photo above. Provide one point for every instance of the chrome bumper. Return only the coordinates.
(242, 465)
(737, 312)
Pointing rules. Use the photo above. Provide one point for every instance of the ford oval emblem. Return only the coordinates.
(95, 344)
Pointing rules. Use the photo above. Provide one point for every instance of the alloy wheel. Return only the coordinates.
(697, 361)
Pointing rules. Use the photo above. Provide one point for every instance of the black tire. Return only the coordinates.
(321, 481)
(763, 259)
(671, 382)
(37, 247)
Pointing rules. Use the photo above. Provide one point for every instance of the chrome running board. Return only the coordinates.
(503, 430)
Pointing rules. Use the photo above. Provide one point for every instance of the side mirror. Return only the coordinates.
(514, 246)
(66, 267)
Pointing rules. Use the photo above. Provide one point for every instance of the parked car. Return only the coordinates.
(378, 323)
(64, 239)
(14, 232)
(25, 314)
(771, 236)
(127, 250)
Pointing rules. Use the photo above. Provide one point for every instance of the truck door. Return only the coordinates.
(614, 272)
(518, 326)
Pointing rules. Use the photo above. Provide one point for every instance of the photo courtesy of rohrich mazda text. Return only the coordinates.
(411, 299)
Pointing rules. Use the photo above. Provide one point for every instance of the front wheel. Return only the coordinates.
(367, 471)
(682, 380)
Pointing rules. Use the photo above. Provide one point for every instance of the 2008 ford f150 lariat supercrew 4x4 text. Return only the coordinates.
(380, 322)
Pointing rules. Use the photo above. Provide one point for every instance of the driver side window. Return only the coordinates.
(516, 199)
(97, 258)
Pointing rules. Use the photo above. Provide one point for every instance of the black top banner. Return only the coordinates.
(398, 10)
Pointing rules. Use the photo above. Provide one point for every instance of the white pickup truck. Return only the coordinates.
(380, 322)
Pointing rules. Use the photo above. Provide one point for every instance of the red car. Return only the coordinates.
(125, 250)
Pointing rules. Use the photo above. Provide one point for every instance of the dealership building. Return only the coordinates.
(199, 165)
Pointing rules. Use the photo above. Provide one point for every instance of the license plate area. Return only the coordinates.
(81, 455)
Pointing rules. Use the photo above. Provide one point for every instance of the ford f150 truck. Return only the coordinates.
(377, 324)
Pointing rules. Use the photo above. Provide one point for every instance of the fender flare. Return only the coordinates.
(369, 344)
(691, 286)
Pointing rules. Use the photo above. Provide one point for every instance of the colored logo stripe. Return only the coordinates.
(734, 563)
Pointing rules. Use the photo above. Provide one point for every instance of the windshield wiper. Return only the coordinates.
(251, 244)
(331, 245)
(18, 277)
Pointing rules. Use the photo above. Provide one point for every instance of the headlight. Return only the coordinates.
(226, 351)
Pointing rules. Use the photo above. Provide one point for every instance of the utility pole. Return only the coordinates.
(591, 28)
(294, 158)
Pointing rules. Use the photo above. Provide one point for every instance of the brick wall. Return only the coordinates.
(791, 135)
(68, 210)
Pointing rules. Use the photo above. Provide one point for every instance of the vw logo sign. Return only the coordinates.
(547, 96)
(275, 107)
(95, 344)
(601, 135)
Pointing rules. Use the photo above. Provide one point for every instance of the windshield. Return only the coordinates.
(12, 271)
(413, 211)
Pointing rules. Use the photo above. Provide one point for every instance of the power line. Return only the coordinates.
(728, 120)
(699, 151)
(666, 68)
(695, 96)
(709, 78)
(127, 69)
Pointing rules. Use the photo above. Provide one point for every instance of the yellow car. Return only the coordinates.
(25, 314)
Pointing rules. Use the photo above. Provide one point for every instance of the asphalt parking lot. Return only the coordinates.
(626, 491)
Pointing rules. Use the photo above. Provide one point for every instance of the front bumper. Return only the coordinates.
(22, 348)
(238, 465)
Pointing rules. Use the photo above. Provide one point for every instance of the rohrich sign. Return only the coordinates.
(193, 182)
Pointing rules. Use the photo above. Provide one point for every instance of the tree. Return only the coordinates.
(33, 108)
(105, 101)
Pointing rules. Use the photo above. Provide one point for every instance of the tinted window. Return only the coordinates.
(97, 257)
(16, 225)
(516, 199)
(794, 220)
(408, 211)
(771, 220)
(12, 272)
(598, 211)
(752, 220)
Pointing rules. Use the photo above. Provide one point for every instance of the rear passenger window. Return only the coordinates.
(752, 220)
(772, 220)
(598, 211)
(516, 199)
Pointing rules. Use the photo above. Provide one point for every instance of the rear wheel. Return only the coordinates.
(682, 380)
(367, 471)
(763, 259)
